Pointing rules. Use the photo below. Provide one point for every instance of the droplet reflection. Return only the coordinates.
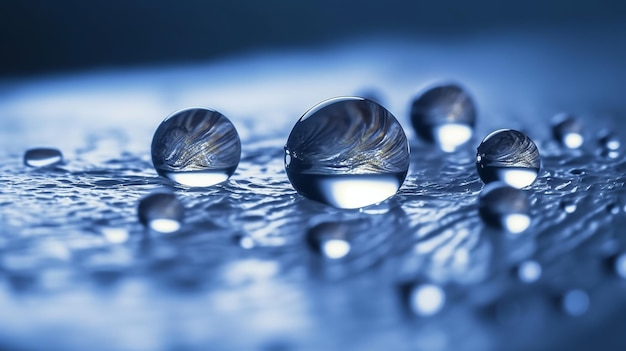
(196, 147)
(509, 156)
(347, 152)
(330, 239)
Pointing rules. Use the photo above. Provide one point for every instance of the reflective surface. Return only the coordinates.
(196, 147)
(42, 157)
(508, 156)
(80, 272)
(347, 152)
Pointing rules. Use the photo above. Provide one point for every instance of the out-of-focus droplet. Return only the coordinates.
(347, 152)
(529, 271)
(115, 235)
(444, 115)
(568, 131)
(426, 300)
(196, 147)
(245, 242)
(42, 157)
(161, 212)
(568, 206)
(505, 207)
(619, 265)
(330, 239)
(575, 302)
(508, 156)
(610, 144)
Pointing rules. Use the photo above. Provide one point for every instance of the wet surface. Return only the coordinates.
(422, 271)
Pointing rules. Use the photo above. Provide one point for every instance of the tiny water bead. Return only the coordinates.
(161, 212)
(330, 239)
(347, 152)
(609, 145)
(509, 156)
(196, 147)
(505, 207)
(426, 300)
(568, 131)
(444, 115)
(528, 271)
(42, 157)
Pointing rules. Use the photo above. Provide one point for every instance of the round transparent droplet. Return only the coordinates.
(575, 302)
(505, 207)
(529, 271)
(161, 212)
(330, 239)
(42, 157)
(508, 156)
(426, 299)
(568, 131)
(444, 115)
(196, 147)
(347, 152)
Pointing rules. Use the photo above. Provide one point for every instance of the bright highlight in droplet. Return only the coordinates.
(165, 226)
(427, 300)
(336, 248)
(451, 136)
(516, 223)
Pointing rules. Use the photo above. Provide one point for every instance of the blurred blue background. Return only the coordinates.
(39, 36)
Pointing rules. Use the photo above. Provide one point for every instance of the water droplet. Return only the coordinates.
(196, 147)
(568, 206)
(610, 145)
(42, 157)
(115, 235)
(330, 240)
(347, 152)
(529, 271)
(568, 131)
(505, 207)
(161, 212)
(426, 299)
(445, 115)
(575, 302)
(509, 156)
(619, 265)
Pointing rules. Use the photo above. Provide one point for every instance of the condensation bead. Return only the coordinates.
(347, 152)
(568, 131)
(505, 207)
(196, 147)
(444, 115)
(42, 157)
(508, 156)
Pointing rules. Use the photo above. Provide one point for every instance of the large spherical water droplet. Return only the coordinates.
(331, 240)
(161, 212)
(505, 207)
(508, 156)
(444, 115)
(568, 131)
(42, 157)
(347, 152)
(196, 147)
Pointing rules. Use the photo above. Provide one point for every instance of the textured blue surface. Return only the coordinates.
(79, 272)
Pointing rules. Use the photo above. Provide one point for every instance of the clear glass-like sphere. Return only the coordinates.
(196, 147)
(347, 152)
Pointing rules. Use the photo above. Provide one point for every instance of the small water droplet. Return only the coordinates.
(529, 271)
(609, 141)
(444, 115)
(42, 157)
(568, 206)
(505, 207)
(330, 239)
(568, 130)
(245, 242)
(426, 300)
(161, 212)
(196, 147)
(509, 156)
(575, 302)
(619, 265)
(347, 152)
